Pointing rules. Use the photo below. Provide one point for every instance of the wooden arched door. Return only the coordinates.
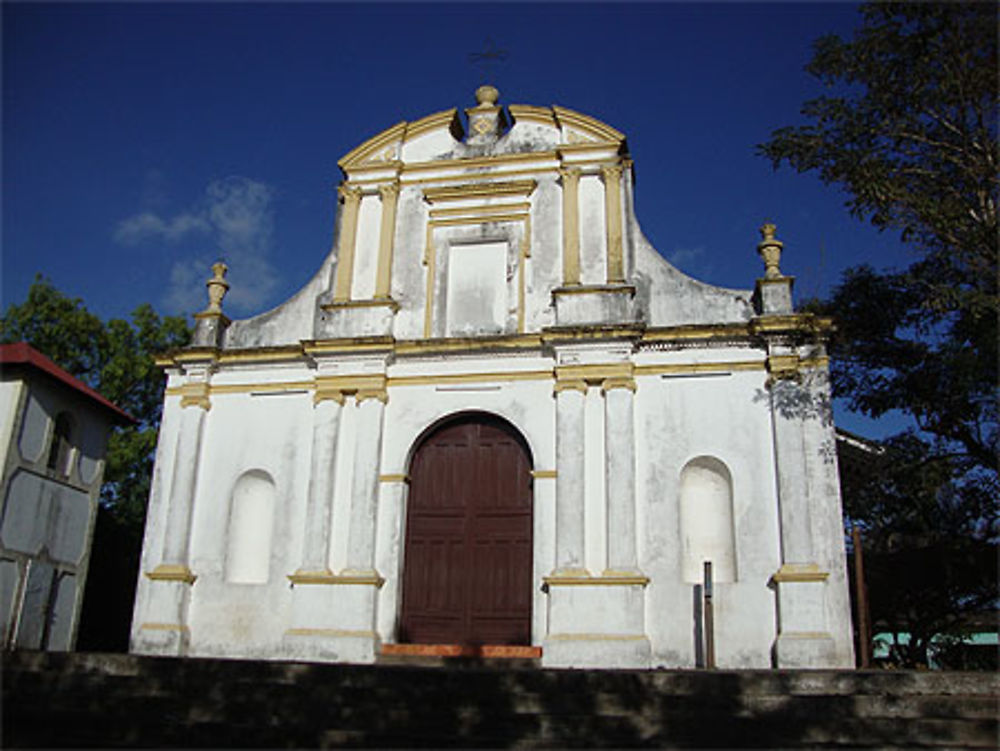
(467, 561)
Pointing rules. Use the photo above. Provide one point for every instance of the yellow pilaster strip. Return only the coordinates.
(613, 221)
(348, 234)
(383, 276)
(571, 224)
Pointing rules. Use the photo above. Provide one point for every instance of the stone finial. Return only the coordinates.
(217, 287)
(770, 250)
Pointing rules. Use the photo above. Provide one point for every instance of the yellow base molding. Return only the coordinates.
(597, 637)
(331, 633)
(370, 578)
(607, 579)
(800, 572)
(404, 478)
(172, 572)
(179, 627)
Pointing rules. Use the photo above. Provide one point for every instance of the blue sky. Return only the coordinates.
(143, 140)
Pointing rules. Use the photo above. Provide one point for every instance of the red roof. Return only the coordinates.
(23, 353)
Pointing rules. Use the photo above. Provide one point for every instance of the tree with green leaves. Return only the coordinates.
(908, 129)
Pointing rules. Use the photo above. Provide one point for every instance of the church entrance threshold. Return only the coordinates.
(467, 564)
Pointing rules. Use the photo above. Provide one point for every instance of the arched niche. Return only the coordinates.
(251, 526)
(706, 520)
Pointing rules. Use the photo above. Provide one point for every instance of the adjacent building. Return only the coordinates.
(53, 437)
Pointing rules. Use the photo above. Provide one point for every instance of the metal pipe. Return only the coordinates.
(861, 600)
(709, 619)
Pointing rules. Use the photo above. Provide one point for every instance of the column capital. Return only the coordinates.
(389, 191)
(617, 383)
(172, 572)
(571, 174)
(570, 384)
(349, 193)
(196, 395)
(611, 173)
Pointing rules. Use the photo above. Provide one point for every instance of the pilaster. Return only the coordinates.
(571, 225)
(389, 194)
(351, 196)
(612, 176)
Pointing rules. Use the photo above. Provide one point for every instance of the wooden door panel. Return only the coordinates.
(467, 561)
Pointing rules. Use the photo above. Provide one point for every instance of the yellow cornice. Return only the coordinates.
(589, 333)
(806, 323)
(325, 576)
(528, 113)
(443, 379)
(479, 190)
(445, 119)
(462, 344)
(596, 289)
(697, 332)
(699, 367)
(544, 474)
(587, 124)
(480, 211)
(596, 373)
(361, 154)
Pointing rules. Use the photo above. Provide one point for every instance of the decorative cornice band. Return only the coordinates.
(617, 383)
(479, 190)
(570, 384)
(326, 577)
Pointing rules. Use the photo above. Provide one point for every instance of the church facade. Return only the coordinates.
(497, 418)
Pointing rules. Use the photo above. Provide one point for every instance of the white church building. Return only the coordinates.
(497, 419)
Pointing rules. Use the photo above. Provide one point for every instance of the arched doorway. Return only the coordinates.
(467, 561)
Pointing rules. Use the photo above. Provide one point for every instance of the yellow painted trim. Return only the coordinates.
(332, 632)
(269, 354)
(589, 125)
(612, 176)
(348, 240)
(458, 221)
(783, 366)
(613, 580)
(404, 478)
(324, 393)
(814, 362)
(617, 383)
(195, 395)
(522, 273)
(544, 474)
(697, 333)
(481, 210)
(800, 572)
(570, 384)
(528, 113)
(357, 156)
(373, 393)
(357, 344)
(596, 637)
(794, 322)
(350, 384)
(595, 372)
(325, 577)
(497, 160)
(178, 627)
(699, 367)
(479, 190)
(446, 119)
(389, 193)
(171, 572)
(462, 344)
(571, 224)
(450, 378)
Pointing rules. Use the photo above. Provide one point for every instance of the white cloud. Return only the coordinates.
(686, 258)
(237, 217)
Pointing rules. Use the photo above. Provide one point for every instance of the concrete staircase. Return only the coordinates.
(103, 700)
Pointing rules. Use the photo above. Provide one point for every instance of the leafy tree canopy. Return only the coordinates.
(908, 129)
(116, 359)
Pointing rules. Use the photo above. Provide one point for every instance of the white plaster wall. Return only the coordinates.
(248, 620)
(593, 244)
(366, 248)
(722, 416)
